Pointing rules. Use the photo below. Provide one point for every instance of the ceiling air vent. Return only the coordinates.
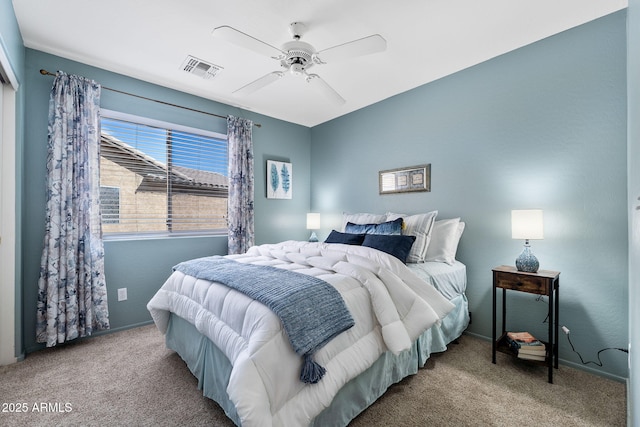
(200, 68)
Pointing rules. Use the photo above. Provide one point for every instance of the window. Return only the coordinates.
(157, 178)
(110, 205)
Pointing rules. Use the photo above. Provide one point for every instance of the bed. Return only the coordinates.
(245, 359)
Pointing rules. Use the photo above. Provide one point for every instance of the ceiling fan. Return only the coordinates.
(297, 56)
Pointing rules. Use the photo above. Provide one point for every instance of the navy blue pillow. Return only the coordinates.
(346, 238)
(398, 246)
(388, 228)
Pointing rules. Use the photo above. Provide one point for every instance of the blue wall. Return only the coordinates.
(541, 127)
(142, 266)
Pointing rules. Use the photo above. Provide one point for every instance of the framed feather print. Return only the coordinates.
(279, 180)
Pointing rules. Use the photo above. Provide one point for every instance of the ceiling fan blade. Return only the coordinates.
(259, 84)
(360, 47)
(323, 87)
(241, 39)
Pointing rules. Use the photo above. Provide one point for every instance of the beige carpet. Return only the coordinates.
(130, 378)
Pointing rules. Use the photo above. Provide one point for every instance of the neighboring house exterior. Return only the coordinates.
(135, 199)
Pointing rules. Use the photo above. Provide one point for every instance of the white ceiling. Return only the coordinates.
(426, 40)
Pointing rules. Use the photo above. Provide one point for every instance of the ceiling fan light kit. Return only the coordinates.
(297, 57)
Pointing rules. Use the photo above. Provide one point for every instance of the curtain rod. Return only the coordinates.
(47, 73)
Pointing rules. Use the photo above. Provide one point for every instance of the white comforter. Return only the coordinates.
(391, 307)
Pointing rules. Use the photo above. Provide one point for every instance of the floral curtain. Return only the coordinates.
(240, 202)
(72, 294)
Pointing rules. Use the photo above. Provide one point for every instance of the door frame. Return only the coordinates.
(8, 203)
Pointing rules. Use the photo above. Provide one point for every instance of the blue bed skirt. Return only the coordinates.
(212, 368)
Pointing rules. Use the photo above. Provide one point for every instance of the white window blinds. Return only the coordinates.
(158, 178)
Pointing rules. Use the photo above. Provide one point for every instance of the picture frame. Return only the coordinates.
(405, 180)
(279, 180)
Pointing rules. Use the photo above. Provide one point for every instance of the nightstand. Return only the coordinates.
(544, 282)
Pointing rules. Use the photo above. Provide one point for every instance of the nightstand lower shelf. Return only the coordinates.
(502, 346)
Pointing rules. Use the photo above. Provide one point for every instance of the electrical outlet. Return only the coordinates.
(565, 330)
(122, 294)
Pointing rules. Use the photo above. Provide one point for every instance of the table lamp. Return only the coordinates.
(527, 225)
(313, 223)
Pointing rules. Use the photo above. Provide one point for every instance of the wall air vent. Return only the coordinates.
(199, 67)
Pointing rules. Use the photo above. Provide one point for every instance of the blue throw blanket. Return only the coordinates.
(311, 310)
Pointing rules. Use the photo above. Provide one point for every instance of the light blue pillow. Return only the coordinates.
(390, 228)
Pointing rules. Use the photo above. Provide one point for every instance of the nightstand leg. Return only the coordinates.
(557, 308)
(493, 341)
(551, 337)
(504, 311)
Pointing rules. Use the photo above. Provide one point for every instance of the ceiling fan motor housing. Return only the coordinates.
(298, 56)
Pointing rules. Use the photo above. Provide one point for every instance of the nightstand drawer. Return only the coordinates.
(520, 282)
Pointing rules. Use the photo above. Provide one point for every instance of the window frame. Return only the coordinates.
(146, 121)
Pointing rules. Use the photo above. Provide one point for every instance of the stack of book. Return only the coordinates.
(526, 346)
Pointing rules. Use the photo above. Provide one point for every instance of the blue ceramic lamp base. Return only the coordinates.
(313, 237)
(527, 261)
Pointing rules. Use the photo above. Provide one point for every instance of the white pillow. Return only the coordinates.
(420, 226)
(444, 240)
(362, 218)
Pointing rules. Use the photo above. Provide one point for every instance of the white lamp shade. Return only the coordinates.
(313, 221)
(527, 224)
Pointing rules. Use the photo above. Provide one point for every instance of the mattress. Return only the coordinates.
(450, 280)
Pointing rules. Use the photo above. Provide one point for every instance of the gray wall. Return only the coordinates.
(541, 127)
(142, 266)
